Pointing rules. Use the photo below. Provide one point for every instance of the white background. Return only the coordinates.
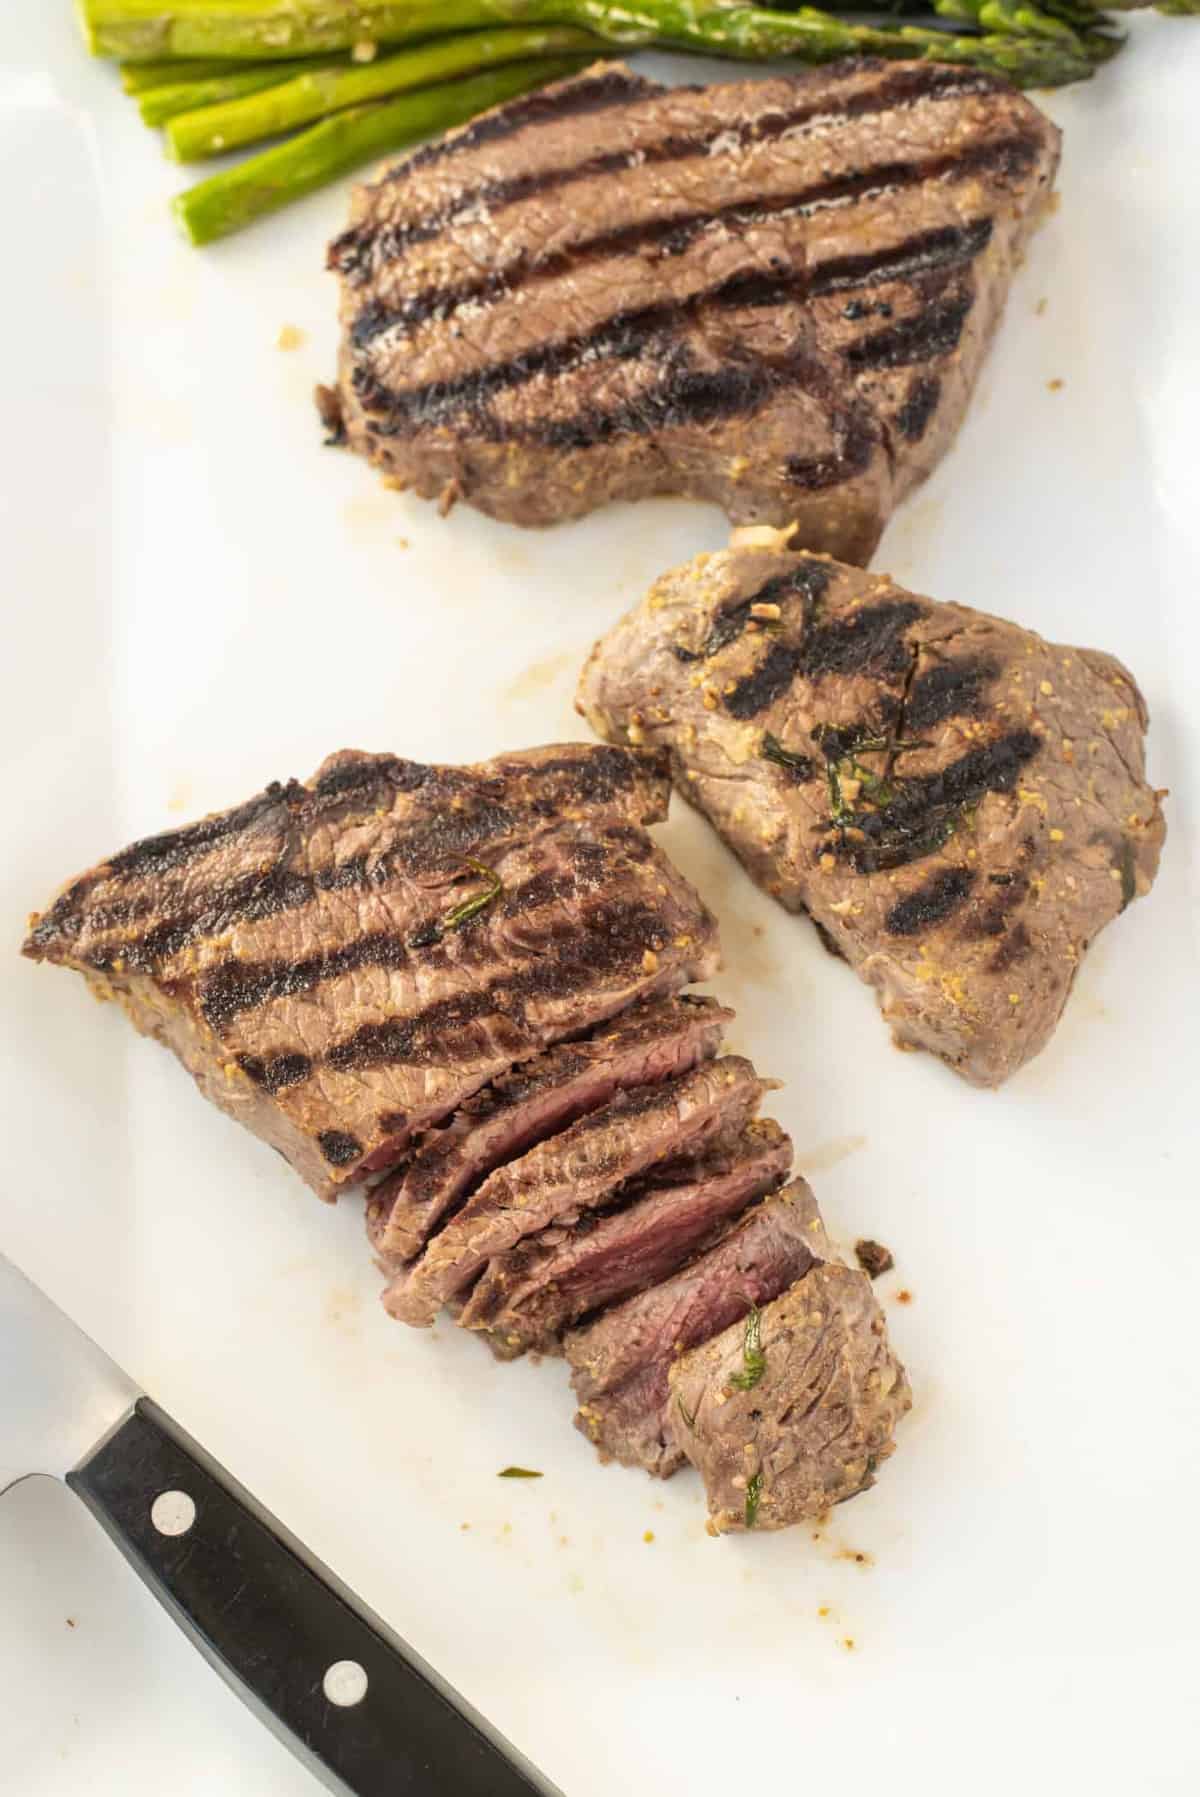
(200, 599)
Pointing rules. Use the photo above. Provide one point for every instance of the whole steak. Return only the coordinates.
(772, 294)
(958, 804)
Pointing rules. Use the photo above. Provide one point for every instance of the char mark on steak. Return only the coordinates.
(653, 1040)
(527, 1296)
(621, 1362)
(341, 963)
(959, 805)
(808, 1424)
(531, 320)
(575, 1172)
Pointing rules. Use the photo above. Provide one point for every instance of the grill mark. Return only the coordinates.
(256, 897)
(625, 335)
(930, 904)
(619, 935)
(933, 332)
(952, 689)
(576, 99)
(175, 848)
(951, 246)
(920, 403)
(867, 641)
(339, 1147)
(353, 252)
(236, 986)
(809, 579)
(284, 1070)
(947, 248)
(918, 822)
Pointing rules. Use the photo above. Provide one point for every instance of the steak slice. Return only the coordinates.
(528, 1295)
(959, 805)
(621, 1362)
(810, 1430)
(579, 1170)
(773, 294)
(654, 1039)
(341, 963)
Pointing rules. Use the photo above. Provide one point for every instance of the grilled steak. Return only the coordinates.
(792, 1412)
(959, 805)
(621, 1362)
(340, 963)
(579, 1170)
(652, 1040)
(772, 294)
(528, 1295)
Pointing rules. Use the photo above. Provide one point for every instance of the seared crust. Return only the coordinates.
(964, 862)
(772, 294)
(327, 961)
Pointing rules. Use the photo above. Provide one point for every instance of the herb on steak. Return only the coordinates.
(478, 901)
(799, 766)
(689, 1418)
(517, 1472)
(753, 1497)
(1127, 868)
(753, 1359)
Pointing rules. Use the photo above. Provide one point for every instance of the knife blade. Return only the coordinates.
(350, 1698)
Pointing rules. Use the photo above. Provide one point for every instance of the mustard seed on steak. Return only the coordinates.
(339, 964)
(959, 805)
(773, 294)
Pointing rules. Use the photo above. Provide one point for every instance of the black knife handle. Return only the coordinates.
(272, 1620)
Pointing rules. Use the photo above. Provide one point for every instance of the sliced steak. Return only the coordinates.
(774, 294)
(341, 963)
(791, 1413)
(622, 1361)
(528, 1295)
(576, 1171)
(960, 805)
(651, 1041)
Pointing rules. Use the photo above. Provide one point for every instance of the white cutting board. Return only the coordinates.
(200, 599)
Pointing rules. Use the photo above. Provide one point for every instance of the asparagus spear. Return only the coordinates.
(141, 77)
(137, 29)
(162, 104)
(333, 86)
(264, 183)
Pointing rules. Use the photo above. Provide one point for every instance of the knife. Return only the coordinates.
(360, 1708)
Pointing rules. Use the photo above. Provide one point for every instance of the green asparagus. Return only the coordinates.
(272, 179)
(136, 29)
(163, 104)
(141, 77)
(332, 87)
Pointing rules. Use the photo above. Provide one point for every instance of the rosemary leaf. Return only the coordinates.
(753, 1498)
(517, 1472)
(754, 1361)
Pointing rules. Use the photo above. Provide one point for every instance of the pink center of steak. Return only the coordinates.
(650, 1042)
(527, 1295)
(576, 1171)
(622, 1362)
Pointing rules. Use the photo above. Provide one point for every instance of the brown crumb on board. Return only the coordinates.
(1055, 385)
(873, 1257)
(70, 1622)
(290, 337)
(904, 1296)
(648, 1536)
